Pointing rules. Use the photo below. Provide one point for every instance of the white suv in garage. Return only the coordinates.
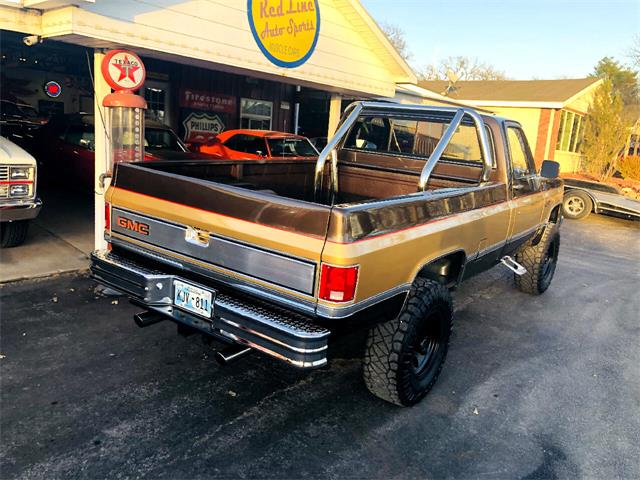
(18, 201)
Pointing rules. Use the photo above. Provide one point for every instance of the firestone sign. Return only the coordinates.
(286, 31)
(199, 100)
(123, 70)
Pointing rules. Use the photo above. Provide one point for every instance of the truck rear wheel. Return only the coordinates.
(13, 234)
(405, 355)
(540, 261)
(576, 205)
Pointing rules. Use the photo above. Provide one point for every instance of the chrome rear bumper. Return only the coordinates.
(272, 330)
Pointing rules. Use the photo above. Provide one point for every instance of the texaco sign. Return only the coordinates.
(123, 70)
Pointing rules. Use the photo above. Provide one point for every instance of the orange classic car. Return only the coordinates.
(259, 145)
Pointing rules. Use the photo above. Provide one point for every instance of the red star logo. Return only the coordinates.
(127, 69)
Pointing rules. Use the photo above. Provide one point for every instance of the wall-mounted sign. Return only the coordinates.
(211, 102)
(52, 89)
(123, 70)
(201, 127)
(285, 30)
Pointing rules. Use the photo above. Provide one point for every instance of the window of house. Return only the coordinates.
(256, 114)
(570, 131)
(156, 104)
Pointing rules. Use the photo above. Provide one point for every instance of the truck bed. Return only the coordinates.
(294, 179)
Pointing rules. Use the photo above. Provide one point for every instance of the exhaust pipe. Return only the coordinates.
(231, 353)
(145, 319)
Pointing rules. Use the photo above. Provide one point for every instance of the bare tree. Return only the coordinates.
(396, 36)
(462, 68)
(634, 52)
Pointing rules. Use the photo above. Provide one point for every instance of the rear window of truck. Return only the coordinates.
(415, 138)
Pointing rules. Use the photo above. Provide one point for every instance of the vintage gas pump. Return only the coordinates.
(124, 110)
(119, 125)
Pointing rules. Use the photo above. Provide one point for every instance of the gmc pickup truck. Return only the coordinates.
(403, 204)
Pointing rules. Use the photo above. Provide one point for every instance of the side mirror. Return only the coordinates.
(550, 169)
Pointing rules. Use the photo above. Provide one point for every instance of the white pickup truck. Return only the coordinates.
(18, 200)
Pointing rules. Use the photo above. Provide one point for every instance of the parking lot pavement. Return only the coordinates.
(534, 387)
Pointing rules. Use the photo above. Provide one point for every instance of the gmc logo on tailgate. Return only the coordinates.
(138, 227)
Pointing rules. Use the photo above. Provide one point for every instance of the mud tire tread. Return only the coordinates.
(387, 341)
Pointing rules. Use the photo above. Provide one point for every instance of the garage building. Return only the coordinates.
(280, 65)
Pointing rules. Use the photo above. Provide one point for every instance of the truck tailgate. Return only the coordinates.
(251, 236)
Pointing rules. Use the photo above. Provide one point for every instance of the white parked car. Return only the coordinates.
(18, 200)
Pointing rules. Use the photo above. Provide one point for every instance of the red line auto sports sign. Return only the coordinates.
(286, 31)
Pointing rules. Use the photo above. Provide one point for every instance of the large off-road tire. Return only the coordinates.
(540, 261)
(576, 205)
(404, 356)
(13, 234)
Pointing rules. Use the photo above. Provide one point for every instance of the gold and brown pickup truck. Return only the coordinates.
(403, 204)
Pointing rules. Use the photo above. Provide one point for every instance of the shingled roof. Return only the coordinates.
(530, 91)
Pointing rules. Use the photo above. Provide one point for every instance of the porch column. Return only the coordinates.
(101, 145)
(335, 111)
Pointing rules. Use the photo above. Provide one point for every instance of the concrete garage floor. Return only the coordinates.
(59, 239)
(534, 387)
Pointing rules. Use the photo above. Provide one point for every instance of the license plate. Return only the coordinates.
(194, 299)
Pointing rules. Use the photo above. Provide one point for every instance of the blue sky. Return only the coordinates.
(523, 38)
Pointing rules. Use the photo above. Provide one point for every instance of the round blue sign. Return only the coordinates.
(52, 89)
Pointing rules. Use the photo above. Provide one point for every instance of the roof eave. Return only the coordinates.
(584, 91)
(405, 73)
(522, 104)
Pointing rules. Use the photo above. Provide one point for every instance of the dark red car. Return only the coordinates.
(67, 143)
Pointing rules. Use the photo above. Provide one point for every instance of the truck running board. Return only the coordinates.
(512, 265)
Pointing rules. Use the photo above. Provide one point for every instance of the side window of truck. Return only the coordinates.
(521, 161)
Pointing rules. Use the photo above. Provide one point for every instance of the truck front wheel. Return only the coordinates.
(540, 261)
(13, 234)
(405, 355)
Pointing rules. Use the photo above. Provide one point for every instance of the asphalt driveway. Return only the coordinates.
(534, 387)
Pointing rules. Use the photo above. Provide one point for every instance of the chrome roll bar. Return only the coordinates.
(350, 116)
(352, 113)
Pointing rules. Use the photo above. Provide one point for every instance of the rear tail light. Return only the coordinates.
(107, 217)
(338, 284)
